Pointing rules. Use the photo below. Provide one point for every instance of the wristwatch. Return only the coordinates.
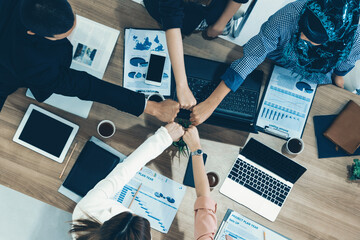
(197, 152)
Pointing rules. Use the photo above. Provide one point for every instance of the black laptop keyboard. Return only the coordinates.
(259, 182)
(241, 103)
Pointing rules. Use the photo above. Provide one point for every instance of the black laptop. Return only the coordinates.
(238, 109)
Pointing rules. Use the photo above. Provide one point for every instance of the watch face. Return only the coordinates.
(197, 152)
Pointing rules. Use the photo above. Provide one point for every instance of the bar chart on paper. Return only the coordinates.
(286, 103)
(157, 200)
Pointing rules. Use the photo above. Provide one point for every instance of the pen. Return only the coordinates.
(67, 161)
(135, 195)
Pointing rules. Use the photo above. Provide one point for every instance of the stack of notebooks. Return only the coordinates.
(94, 163)
(339, 135)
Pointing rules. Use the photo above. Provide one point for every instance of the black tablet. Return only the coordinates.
(46, 133)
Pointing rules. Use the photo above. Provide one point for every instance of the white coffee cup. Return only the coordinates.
(294, 146)
(106, 128)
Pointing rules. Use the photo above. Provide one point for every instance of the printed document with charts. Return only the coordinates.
(286, 104)
(158, 198)
(139, 43)
(93, 44)
(239, 227)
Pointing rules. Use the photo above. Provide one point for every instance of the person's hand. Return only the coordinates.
(165, 111)
(214, 31)
(201, 112)
(339, 81)
(175, 130)
(192, 139)
(185, 97)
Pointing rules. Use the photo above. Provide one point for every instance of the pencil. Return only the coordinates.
(135, 195)
(67, 161)
(264, 235)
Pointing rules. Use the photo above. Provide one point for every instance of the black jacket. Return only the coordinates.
(185, 15)
(44, 66)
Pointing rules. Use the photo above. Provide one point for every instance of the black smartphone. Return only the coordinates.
(189, 175)
(156, 68)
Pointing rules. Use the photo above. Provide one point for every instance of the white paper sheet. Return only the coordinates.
(286, 103)
(138, 45)
(158, 198)
(93, 44)
(239, 228)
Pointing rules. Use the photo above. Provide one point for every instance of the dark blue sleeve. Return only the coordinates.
(5, 91)
(46, 80)
(241, 1)
(232, 79)
(171, 13)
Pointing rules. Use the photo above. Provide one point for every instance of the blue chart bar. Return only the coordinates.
(290, 93)
(157, 199)
(269, 112)
(127, 190)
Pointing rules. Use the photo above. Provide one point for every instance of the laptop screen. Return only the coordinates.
(272, 161)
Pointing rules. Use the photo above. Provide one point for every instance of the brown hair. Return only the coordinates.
(202, 2)
(124, 226)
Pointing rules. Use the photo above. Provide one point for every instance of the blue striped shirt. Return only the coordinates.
(274, 35)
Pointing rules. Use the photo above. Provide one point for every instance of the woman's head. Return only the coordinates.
(53, 19)
(324, 37)
(124, 226)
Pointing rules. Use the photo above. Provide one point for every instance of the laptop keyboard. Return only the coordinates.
(242, 103)
(259, 182)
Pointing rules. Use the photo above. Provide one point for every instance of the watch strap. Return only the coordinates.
(197, 152)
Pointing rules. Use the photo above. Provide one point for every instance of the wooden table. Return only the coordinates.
(322, 205)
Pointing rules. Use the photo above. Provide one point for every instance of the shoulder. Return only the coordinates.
(285, 20)
(101, 210)
(289, 13)
(36, 55)
(355, 50)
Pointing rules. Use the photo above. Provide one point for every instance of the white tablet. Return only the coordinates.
(46, 133)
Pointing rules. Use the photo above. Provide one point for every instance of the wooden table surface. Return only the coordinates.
(322, 205)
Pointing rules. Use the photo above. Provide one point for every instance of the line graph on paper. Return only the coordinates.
(158, 198)
(286, 103)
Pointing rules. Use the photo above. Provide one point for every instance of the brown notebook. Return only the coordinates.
(345, 130)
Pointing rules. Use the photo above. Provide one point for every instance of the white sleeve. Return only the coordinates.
(124, 171)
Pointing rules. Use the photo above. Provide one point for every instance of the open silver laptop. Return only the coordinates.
(261, 179)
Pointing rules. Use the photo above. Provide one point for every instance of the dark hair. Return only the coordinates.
(312, 27)
(124, 226)
(202, 2)
(47, 17)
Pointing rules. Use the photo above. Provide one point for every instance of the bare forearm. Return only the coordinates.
(228, 13)
(218, 94)
(203, 110)
(176, 52)
(200, 178)
(338, 80)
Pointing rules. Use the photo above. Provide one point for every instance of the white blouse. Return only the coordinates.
(98, 202)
